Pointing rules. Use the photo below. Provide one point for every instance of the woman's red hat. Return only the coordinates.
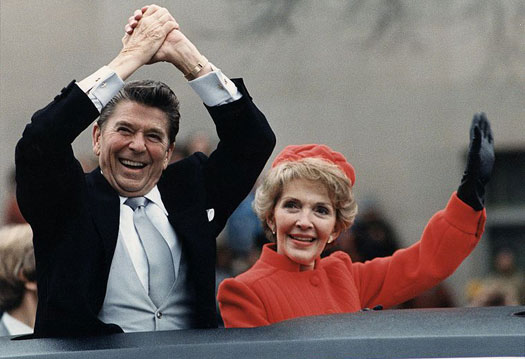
(296, 152)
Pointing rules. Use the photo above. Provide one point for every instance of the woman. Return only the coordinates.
(18, 293)
(306, 201)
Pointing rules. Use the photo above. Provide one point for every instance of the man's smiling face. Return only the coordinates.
(133, 148)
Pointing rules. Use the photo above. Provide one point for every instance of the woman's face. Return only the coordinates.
(304, 221)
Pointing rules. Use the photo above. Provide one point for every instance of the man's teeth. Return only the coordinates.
(132, 163)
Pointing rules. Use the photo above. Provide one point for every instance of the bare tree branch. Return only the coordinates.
(277, 15)
(399, 24)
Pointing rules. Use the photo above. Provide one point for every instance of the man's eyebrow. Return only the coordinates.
(152, 129)
(157, 130)
(123, 123)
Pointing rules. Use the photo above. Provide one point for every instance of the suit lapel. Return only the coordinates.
(104, 206)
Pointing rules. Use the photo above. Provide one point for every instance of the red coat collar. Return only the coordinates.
(270, 256)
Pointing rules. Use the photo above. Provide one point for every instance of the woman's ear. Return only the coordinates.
(335, 234)
(271, 223)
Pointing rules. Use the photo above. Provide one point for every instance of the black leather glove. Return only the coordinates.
(479, 163)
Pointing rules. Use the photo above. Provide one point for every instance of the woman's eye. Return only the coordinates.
(322, 210)
(290, 204)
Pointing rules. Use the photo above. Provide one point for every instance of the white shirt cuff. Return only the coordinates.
(215, 88)
(101, 86)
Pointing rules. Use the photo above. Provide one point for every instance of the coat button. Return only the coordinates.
(159, 315)
(315, 280)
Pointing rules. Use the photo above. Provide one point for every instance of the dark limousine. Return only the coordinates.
(489, 332)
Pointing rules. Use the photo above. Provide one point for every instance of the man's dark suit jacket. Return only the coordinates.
(75, 216)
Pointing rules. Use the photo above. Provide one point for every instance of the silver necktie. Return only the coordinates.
(158, 253)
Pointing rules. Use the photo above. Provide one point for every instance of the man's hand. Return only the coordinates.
(479, 163)
(176, 48)
(148, 35)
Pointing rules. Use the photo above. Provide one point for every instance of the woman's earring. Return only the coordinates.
(330, 239)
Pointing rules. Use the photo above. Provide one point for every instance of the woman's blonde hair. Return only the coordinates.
(17, 264)
(312, 169)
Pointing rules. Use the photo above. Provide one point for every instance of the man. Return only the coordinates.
(96, 272)
(18, 294)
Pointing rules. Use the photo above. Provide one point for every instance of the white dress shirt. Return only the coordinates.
(14, 326)
(214, 88)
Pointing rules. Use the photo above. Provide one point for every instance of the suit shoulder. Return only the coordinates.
(188, 164)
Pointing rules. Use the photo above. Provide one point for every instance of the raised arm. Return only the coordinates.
(46, 169)
(176, 48)
(141, 46)
(479, 163)
(246, 139)
(449, 237)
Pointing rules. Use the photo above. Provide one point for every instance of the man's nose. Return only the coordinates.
(138, 143)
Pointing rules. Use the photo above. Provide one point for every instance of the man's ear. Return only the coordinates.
(169, 152)
(28, 284)
(95, 139)
(31, 286)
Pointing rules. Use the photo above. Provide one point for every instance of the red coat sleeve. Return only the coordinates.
(240, 307)
(449, 237)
